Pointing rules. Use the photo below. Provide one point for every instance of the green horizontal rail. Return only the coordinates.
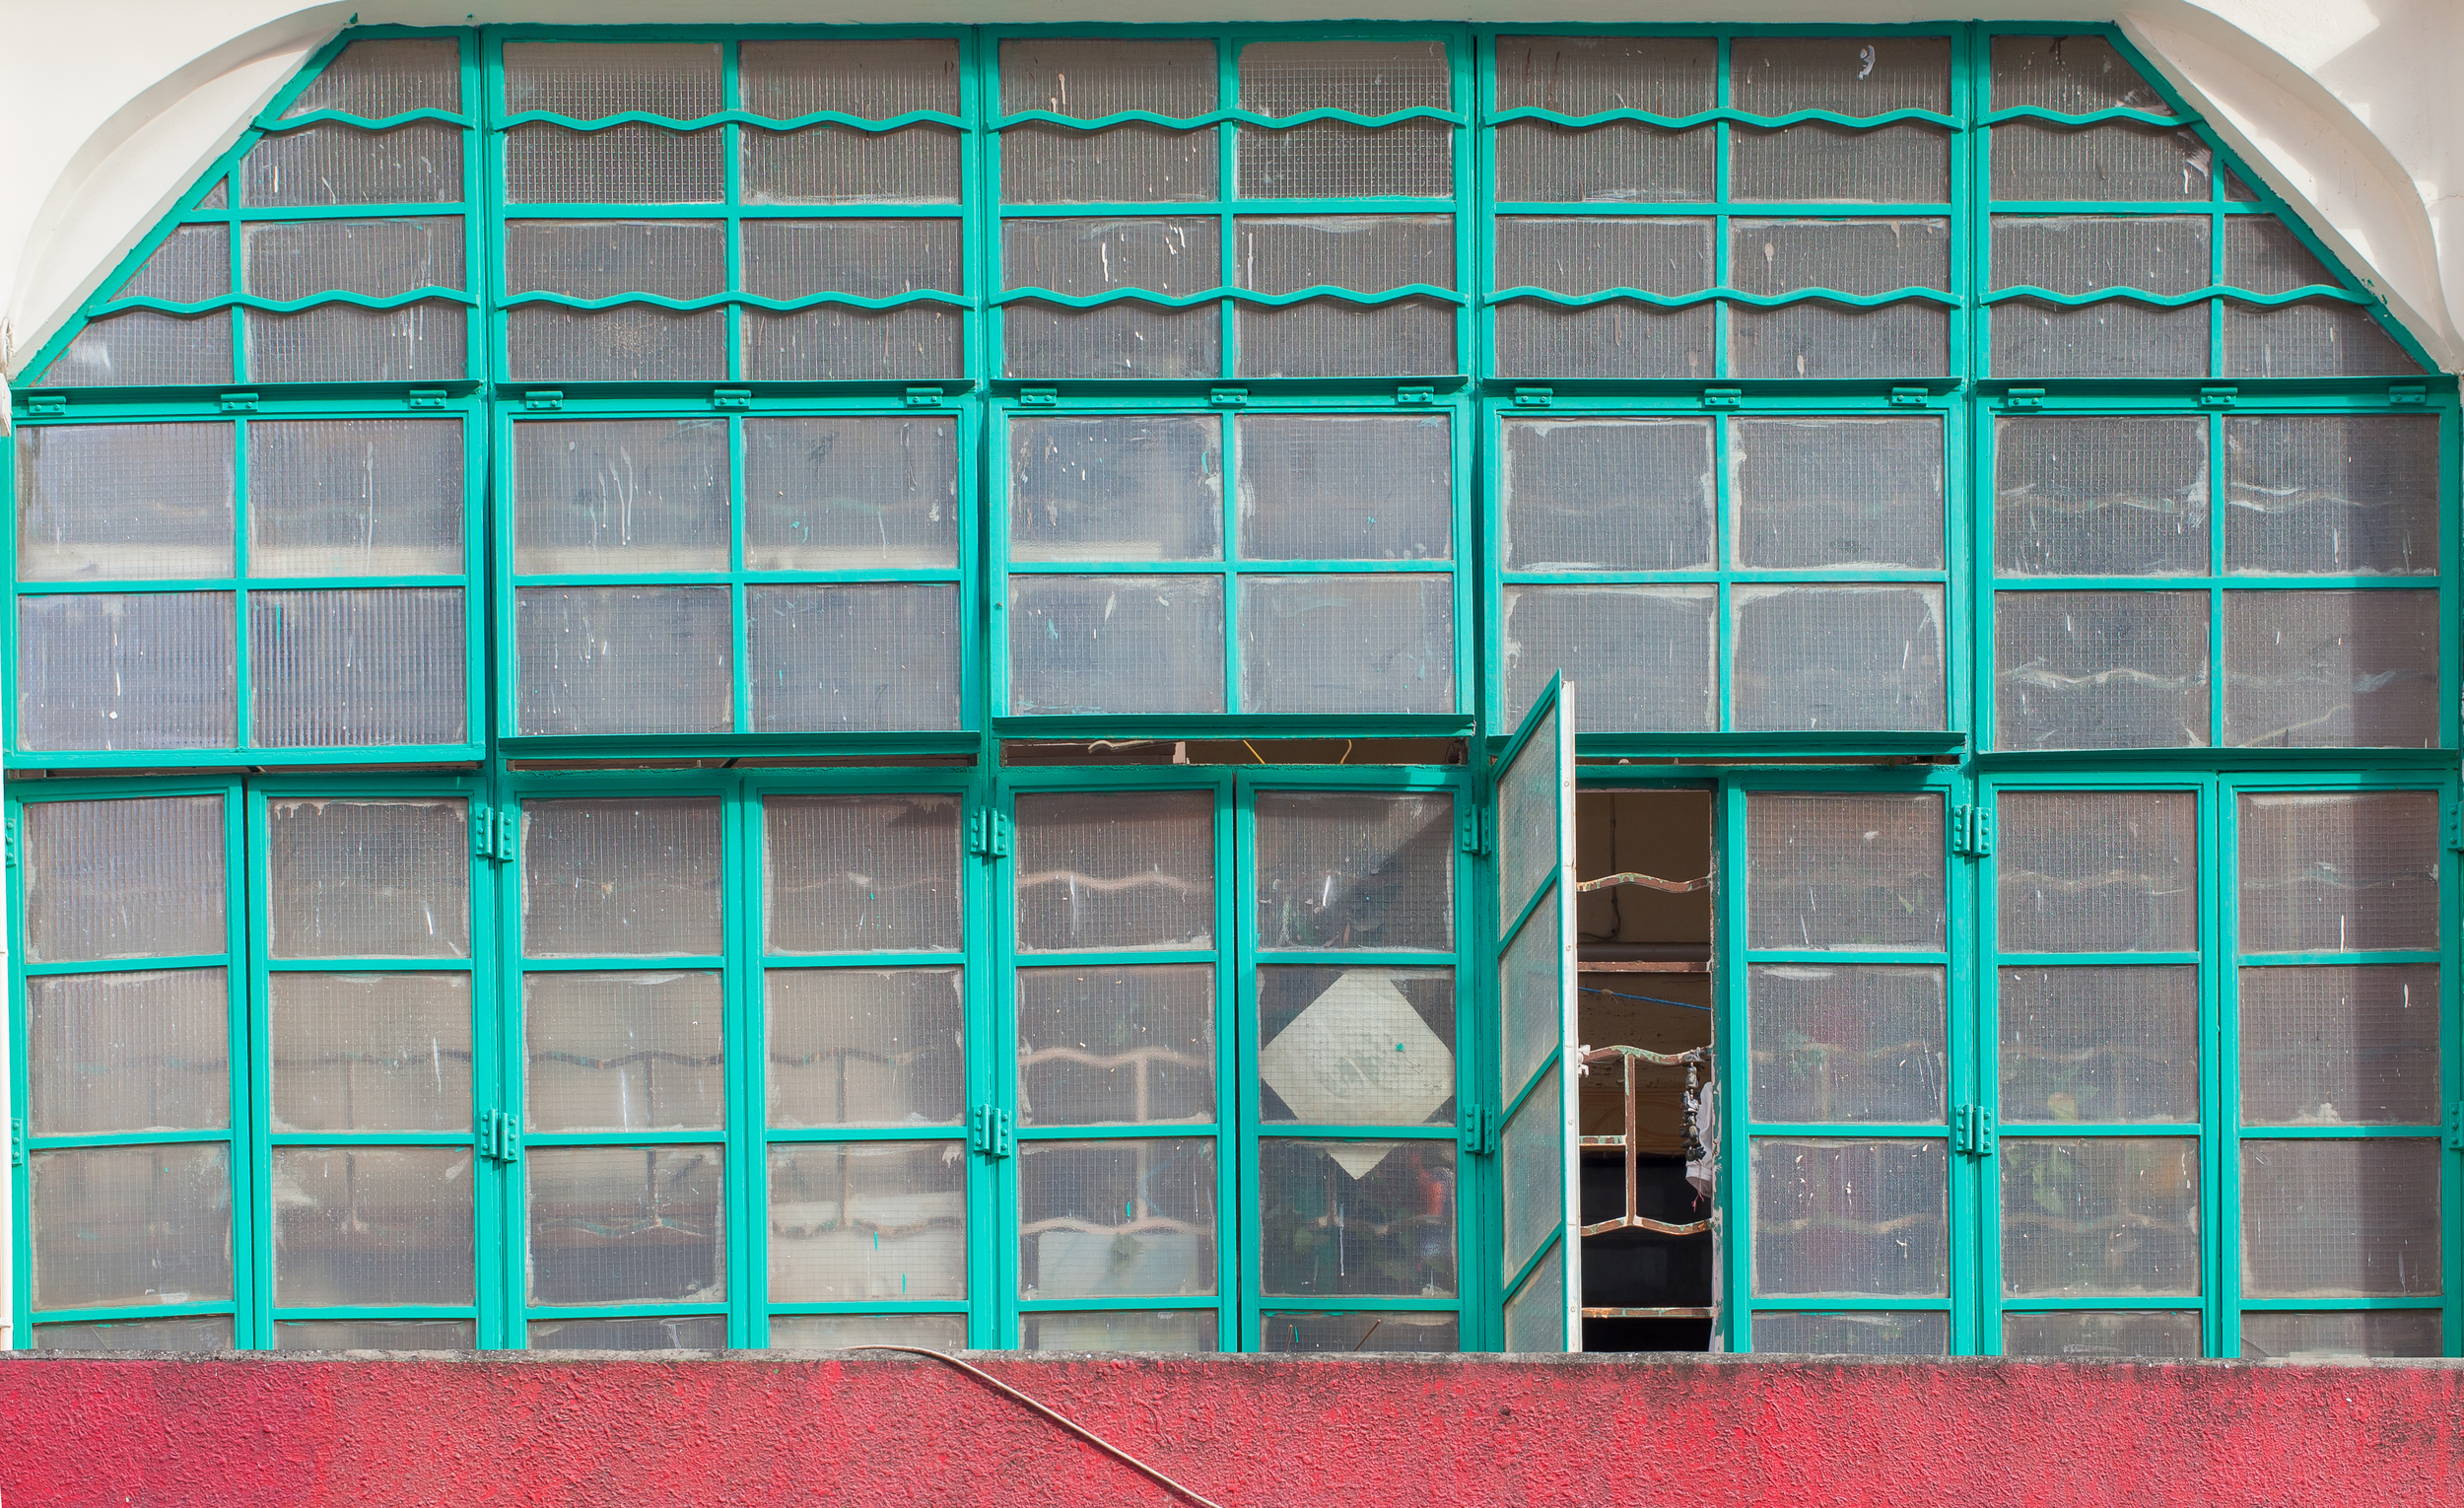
(1727, 113)
(597, 123)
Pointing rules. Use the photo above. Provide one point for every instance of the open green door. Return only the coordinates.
(1542, 1262)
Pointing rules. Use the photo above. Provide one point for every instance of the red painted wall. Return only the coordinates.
(1249, 1432)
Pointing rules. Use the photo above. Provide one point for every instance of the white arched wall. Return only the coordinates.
(114, 106)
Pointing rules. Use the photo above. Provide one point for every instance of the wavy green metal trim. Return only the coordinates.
(1217, 295)
(2176, 301)
(276, 127)
(288, 305)
(1216, 118)
(2092, 117)
(723, 299)
(1731, 295)
(733, 117)
(1727, 113)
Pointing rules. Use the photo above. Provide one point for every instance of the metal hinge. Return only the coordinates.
(1228, 397)
(491, 832)
(426, 398)
(2024, 398)
(11, 845)
(1972, 1131)
(1722, 397)
(17, 1143)
(1040, 398)
(923, 397)
(989, 1132)
(731, 397)
(2412, 393)
(238, 402)
(1475, 830)
(1907, 397)
(2455, 830)
(500, 1137)
(2218, 397)
(1476, 1130)
(543, 397)
(1415, 394)
(988, 834)
(1972, 832)
(2455, 1126)
(1533, 397)
(47, 403)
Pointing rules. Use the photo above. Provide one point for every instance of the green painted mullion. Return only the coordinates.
(2452, 1023)
(1733, 1291)
(744, 1001)
(1723, 316)
(731, 169)
(250, 1056)
(1235, 845)
(1971, 87)
(1970, 1080)
(2220, 1067)
(21, 1246)
(998, 1058)
(982, 920)
(1227, 191)
(509, 1091)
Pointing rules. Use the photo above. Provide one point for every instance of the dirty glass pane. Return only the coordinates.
(2100, 1214)
(626, 1225)
(1861, 1042)
(624, 660)
(1536, 1316)
(136, 502)
(843, 1332)
(633, 879)
(370, 1051)
(137, 670)
(2100, 669)
(375, 1335)
(129, 1225)
(623, 1052)
(866, 1047)
(367, 880)
(1325, 487)
(850, 491)
(1162, 1329)
(1115, 1046)
(2101, 496)
(1116, 644)
(853, 656)
(1607, 493)
(1844, 871)
(1533, 1012)
(1809, 658)
(1356, 1219)
(1644, 657)
(2311, 669)
(861, 875)
(1532, 1177)
(1857, 1334)
(2099, 1045)
(127, 1052)
(1099, 1219)
(2339, 1218)
(196, 1333)
(1837, 494)
(1119, 488)
(2340, 1044)
(124, 879)
(2088, 1332)
(1340, 870)
(1359, 1330)
(858, 1221)
(2096, 871)
(342, 668)
(1356, 1047)
(2339, 872)
(2336, 1334)
(1347, 645)
(646, 1332)
(2331, 495)
(372, 1225)
(1851, 1218)
(1115, 869)
(620, 495)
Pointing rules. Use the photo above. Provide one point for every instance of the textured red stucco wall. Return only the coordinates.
(1249, 1432)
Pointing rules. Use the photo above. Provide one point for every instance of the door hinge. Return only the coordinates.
(543, 397)
(988, 834)
(2022, 399)
(46, 403)
(1416, 394)
(2455, 1126)
(238, 402)
(731, 397)
(500, 1137)
(1039, 398)
(1722, 397)
(1907, 397)
(426, 398)
(1228, 397)
(1476, 1130)
(1534, 397)
(989, 1132)
(1972, 832)
(2408, 393)
(11, 830)
(2218, 397)
(2455, 829)
(17, 1143)
(491, 832)
(923, 397)
(1475, 830)
(1972, 1131)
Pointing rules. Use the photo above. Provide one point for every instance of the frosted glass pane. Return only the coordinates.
(850, 491)
(295, 259)
(2100, 669)
(387, 77)
(1853, 256)
(192, 262)
(1585, 75)
(630, 163)
(2331, 494)
(2101, 496)
(372, 1225)
(1348, 643)
(368, 878)
(1130, 164)
(127, 1052)
(1124, 339)
(2266, 255)
(591, 80)
(837, 343)
(2116, 338)
(1530, 338)
(1096, 1331)
(1858, 1333)
(106, 672)
(1532, 1009)
(2340, 1219)
(2115, 160)
(620, 495)
(334, 164)
(1368, 76)
(1336, 160)
(144, 347)
(1536, 1316)
(1815, 339)
(356, 668)
(1117, 488)
(1393, 1201)
(871, 258)
(1851, 872)
(2097, 1046)
(217, 197)
(2317, 339)
(2100, 1215)
(2096, 871)
(2340, 1045)
(866, 1047)
(626, 1225)
(624, 660)
(598, 258)
(1079, 257)
(371, 1052)
(1367, 254)
(1819, 163)
(375, 1335)
(623, 878)
(2077, 1335)
(1607, 494)
(356, 497)
(1852, 75)
(1103, 1219)
(854, 657)
(1360, 1330)
(1086, 77)
(1115, 869)
(615, 345)
(1356, 1047)
(1838, 1046)
(872, 77)
(623, 1052)
(425, 342)
(129, 501)
(834, 164)
(2341, 872)
(1319, 487)
(848, 1332)
(879, 1221)
(861, 874)
(2331, 668)
(129, 1225)
(1837, 494)
(1815, 657)
(648, 1332)
(1341, 870)
(1115, 1046)
(2340, 1335)
(1116, 644)
(1850, 1219)
(123, 878)
(2086, 253)
(1590, 253)
(1323, 337)
(1644, 657)
(1622, 162)
(188, 1332)
(2072, 75)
